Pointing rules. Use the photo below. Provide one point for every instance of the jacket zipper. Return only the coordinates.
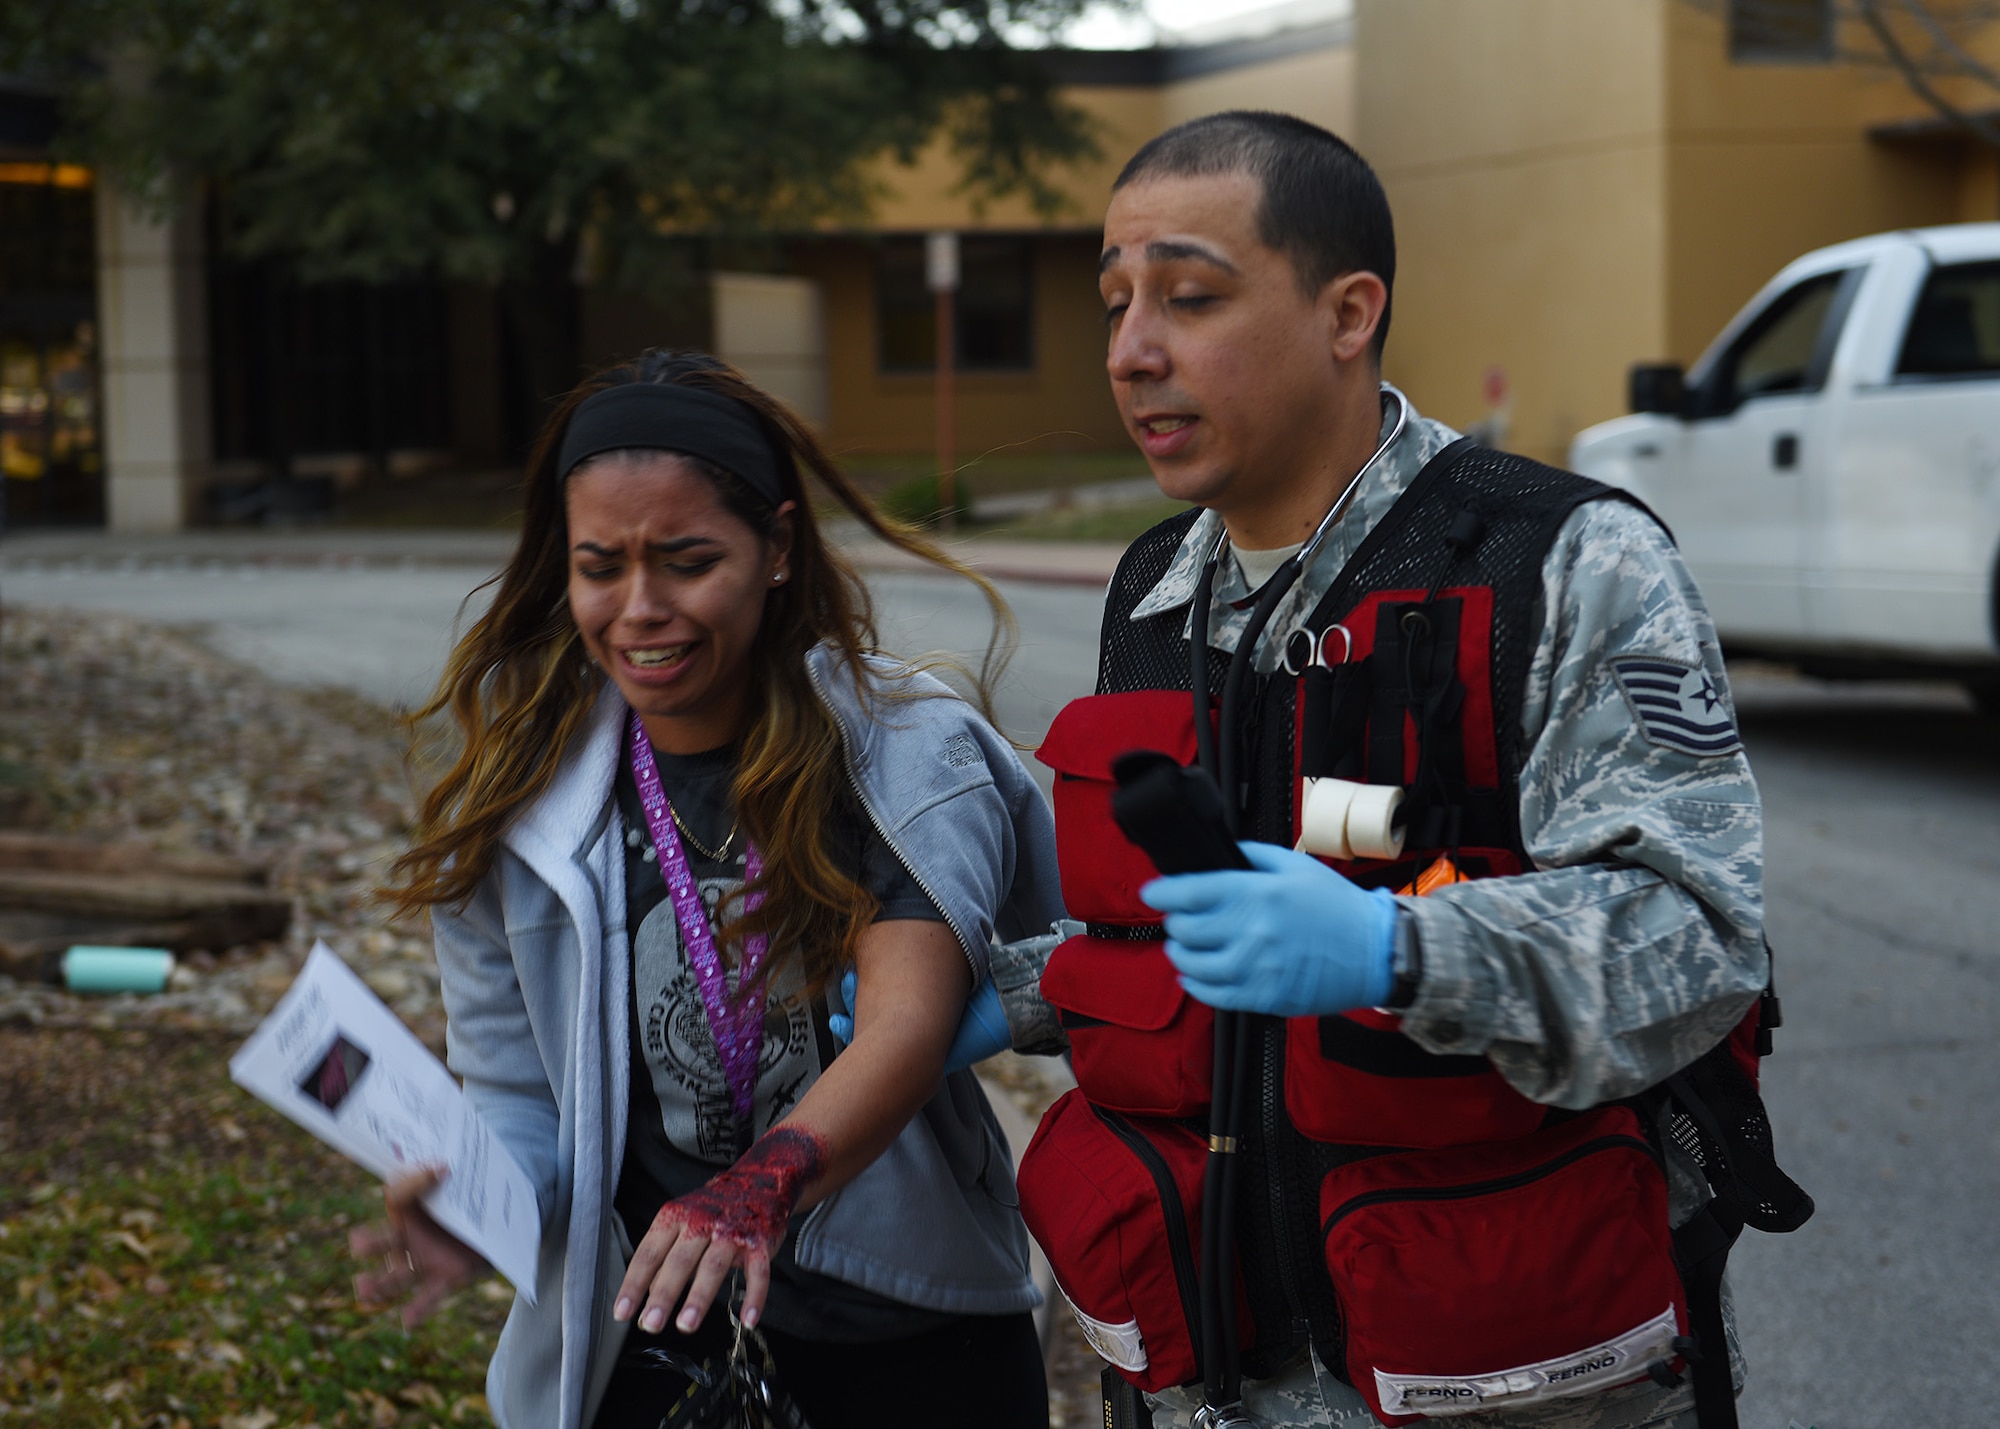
(1510, 1182)
(1180, 1249)
(861, 797)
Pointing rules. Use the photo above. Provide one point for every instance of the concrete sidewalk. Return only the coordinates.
(1079, 563)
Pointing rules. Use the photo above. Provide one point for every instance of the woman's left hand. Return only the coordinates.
(737, 1218)
(411, 1255)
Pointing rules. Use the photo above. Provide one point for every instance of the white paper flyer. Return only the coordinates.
(338, 1062)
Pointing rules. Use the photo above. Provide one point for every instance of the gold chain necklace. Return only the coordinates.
(720, 855)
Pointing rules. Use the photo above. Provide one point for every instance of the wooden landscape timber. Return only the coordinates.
(56, 892)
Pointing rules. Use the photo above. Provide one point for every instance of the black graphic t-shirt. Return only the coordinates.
(682, 1126)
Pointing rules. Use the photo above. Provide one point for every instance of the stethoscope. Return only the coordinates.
(1222, 1372)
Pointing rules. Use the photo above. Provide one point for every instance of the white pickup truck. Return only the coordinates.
(1831, 465)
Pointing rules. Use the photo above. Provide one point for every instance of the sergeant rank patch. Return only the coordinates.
(1677, 705)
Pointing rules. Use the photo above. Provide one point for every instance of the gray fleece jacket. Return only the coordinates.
(536, 976)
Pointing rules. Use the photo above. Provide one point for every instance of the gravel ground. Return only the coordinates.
(112, 728)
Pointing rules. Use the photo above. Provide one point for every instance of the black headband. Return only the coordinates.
(668, 417)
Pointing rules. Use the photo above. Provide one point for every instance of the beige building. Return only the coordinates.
(1578, 185)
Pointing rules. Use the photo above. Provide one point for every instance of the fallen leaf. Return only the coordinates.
(423, 1396)
(255, 1419)
(467, 1406)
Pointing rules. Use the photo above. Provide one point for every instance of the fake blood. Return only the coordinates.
(750, 1203)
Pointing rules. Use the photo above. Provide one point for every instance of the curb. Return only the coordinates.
(1081, 563)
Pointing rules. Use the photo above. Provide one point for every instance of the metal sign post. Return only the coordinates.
(941, 273)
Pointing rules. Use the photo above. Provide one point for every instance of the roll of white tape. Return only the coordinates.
(1371, 821)
(1323, 818)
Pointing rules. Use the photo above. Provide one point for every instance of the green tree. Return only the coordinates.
(522, 143)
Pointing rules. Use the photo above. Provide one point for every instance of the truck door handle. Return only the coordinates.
(1785, 451)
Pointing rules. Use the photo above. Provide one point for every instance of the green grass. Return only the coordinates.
(1000, 471)
(173, 1254)
(1122, 523)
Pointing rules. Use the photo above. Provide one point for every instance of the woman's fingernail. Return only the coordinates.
(688, 1321)
(750, 1319)
(623, 1309)
(652, 1321)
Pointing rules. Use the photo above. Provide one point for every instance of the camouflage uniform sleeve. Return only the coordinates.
(1016, 969)
(1637, 943)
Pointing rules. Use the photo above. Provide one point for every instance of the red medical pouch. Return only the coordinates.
(1115, 1204)
(1102, 870)
(1495, 1276)
(1137, 1042)
(1357, 1080)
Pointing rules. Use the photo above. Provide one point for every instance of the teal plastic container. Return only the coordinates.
(89, 969)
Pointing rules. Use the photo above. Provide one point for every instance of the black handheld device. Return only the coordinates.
(1172, 813)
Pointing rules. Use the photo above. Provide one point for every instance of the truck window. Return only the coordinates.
(1786, 349)
(1955, 328)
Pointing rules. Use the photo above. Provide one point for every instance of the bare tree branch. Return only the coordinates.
(1915, 77)
(1962, 59)
(1942, 55)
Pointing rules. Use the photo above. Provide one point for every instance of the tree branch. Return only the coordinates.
(1979, 126)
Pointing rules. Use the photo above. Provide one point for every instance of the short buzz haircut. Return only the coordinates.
(1322, 206)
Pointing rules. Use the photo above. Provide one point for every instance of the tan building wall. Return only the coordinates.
(1317, 85)
(925, 195)
(1062, 404)
(1771, 161)
(1525, 161)
(1580, 185)
(153, 357)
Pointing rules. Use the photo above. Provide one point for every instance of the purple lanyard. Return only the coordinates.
(736, 1024)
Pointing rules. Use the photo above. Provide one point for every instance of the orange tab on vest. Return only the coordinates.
(1441, 873)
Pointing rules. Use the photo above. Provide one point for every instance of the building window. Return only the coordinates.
(993, 327)
(305, 369)
(1781, 31)
(50, 464)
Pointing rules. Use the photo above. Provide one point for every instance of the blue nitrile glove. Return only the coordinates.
(982, 1031)
(1290, 937)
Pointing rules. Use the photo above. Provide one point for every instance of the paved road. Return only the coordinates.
(1884, 875)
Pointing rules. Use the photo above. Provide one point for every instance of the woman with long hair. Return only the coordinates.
(690, 795)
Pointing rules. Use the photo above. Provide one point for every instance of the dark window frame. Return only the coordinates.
(302, 369)
(1784, 32)
(898, 272)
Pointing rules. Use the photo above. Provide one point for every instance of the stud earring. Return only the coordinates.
(777, 578)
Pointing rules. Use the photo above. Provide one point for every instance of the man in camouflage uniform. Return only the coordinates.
(1250, 377)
